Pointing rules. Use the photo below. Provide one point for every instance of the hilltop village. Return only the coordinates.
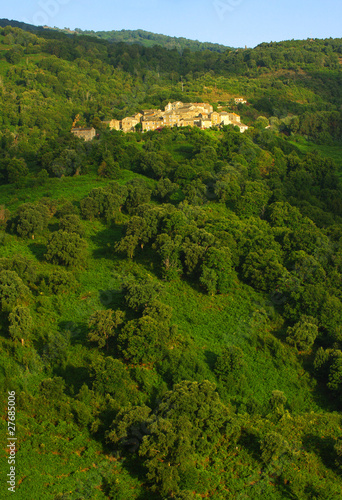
(176, 113)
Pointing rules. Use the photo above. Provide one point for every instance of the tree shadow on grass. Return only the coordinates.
(105, 241)
(53, 227)
(211, 359)
(74, 376)
(136, 470)
(38, 250)
(111, 299)
(323, 447)
(76, 331)
(251, 443)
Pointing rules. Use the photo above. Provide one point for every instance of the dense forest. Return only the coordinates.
(141, 37)
(149, 39)
(171, 301)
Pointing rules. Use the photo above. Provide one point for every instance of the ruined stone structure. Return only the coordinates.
(84, 133)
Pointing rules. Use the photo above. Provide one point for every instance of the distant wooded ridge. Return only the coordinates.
(146, 38)
(149, 39)
(17, 24)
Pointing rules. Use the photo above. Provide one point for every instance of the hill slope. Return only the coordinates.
(149, 39)
(171, 302)
(142, 37)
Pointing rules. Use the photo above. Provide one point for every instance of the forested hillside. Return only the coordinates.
(141, 37)
(149, 39)
(171, 302)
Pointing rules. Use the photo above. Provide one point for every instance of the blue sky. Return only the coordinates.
(231, 22)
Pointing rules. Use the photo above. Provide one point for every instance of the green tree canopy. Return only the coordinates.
(303, 334)
(21, 323)
(102, 326)
(13, 292)
(67, 249)
(189, 421)
(31, 220)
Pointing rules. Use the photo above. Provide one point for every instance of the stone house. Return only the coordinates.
(206, 123)
(171, 106)
(113, 124)
(84, 133)
(151, 123)
(242, 127)
(170, 119)
(128, 123)
(224, 117)
(188, 122)
(234, 117)
(215, 118)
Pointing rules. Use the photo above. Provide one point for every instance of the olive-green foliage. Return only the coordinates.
(71, 224)
(273, 447)
(338, 450)
(335, 373)
(110, 377)
(16, 170)
(137, 194)
(328, 365)
(67, 208)
(68, 163)
(25, 268)
(141, 291)
(56, 348)
(21, 323)
(58, 282)
(4, 215)
(252, 219)
(303, 334)
(189, 421)
(14, 55)
(67, 249)
(13, 292)
(31, 220)
(103, 203)
(102, 325)
(136, 233)
(331, 311)
(195, 193)
(217, 273)
(164, 189)
(254, 199)
(277, 402)
(108, 167)
(128, 427)
(42, 177)
(230, 363)
(147, 339)
(263, 270)
(148, 39)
